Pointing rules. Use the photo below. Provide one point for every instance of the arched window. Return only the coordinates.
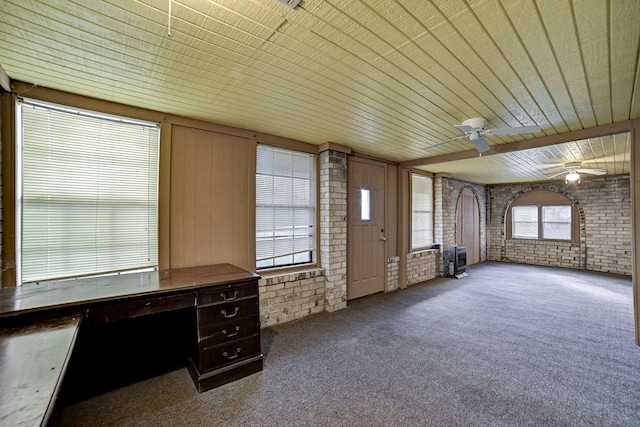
(543, 215)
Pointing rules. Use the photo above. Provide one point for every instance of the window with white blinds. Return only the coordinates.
(541, 222)
(88, 199)
(421, 211)
(525, 222)
(285, 207)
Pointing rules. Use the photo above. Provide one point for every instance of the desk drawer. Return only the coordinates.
(228, 331)
(216, 357)
(228, 293)
(140, 307)
(224, 312)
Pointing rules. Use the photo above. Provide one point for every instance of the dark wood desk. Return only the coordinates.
(224, 299)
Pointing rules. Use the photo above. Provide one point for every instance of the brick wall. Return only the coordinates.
(333, 227)
(605, 227)
(393, 274)
(608, 224)
(422, 266)
(438, 215)
(544, 253)
(291, 296)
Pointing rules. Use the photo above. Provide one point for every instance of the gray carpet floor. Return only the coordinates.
(509, 345)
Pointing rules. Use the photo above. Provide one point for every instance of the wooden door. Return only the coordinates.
(468, 225)
(366, 241)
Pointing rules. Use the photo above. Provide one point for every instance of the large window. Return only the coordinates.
(421, 211)
(542, 215)
(87, 189)
(285, 207)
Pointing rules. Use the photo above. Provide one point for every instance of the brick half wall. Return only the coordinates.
(291, 296)
(423, 266)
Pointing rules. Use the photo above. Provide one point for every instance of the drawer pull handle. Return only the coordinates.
(147, 303)
(229, 316)
(224, 297)
(235, 356)
(228, 335)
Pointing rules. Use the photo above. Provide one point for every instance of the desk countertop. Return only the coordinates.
(35, 297)
(33, 360)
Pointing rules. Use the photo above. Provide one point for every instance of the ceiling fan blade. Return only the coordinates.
(575, 164)
(444, 142)
(512, 131)
(592, 171)
(481, 144)
(558, 174)
(466, 129)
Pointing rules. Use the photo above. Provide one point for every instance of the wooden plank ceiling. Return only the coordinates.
(387, 78)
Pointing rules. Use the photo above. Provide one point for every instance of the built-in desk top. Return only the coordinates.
(36, 297)
(33, 360)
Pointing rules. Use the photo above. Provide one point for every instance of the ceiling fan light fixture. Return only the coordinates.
(572, 177)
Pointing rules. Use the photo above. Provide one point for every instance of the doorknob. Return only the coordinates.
(382, 238)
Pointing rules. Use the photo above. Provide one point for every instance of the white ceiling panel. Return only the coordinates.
(387, 78)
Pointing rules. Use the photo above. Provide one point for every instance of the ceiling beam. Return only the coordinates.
(543, 141)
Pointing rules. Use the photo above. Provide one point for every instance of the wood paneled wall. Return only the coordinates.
(212, 219)
(207, 183)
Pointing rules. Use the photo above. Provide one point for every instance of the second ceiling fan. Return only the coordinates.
(573, 170)
(476, 129)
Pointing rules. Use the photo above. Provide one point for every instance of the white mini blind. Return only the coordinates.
(89, 193)
(421, 211)
(285, 207)
(525, 222)
(556, 222)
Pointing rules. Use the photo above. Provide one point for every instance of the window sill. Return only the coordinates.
(421, 252)
(290, 269)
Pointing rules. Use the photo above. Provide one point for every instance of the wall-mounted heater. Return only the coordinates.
(458, 261)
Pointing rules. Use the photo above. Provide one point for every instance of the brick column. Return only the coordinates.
(438, 230)
(438, 215)
(333, 227)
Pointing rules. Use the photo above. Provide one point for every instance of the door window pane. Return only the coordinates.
(365, 204)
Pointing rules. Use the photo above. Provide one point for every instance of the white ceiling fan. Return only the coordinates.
(574, 169)
(475, 129)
